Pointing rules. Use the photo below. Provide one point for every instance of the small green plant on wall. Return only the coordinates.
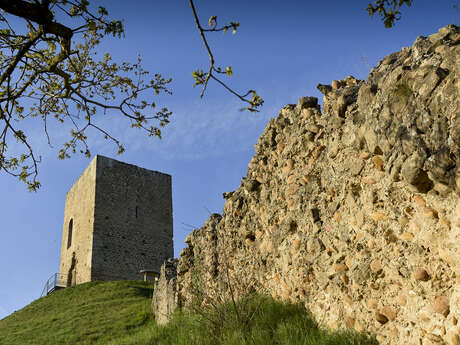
(402, 90)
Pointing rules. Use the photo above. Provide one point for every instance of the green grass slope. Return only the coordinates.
(91, 313)
(119, 313)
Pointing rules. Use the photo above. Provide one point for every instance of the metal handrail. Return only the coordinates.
(56, 280)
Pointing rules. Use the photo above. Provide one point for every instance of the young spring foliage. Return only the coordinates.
(50, 71)
(388, 10)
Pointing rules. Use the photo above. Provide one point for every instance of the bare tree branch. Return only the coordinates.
(202, 78)
(39, 14)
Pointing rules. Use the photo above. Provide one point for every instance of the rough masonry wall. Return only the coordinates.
(166, 302)
(79, 207)
(133, 226)
(353, 210)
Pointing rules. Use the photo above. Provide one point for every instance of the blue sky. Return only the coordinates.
(283, 49)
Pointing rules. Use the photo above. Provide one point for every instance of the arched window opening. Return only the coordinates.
(69, 235)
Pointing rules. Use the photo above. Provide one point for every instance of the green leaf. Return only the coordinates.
(212, 21)
(234, 26)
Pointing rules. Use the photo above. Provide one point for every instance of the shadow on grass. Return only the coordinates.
(144, 291)
(272, 323)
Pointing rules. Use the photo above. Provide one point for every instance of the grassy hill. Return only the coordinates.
(91, 313)
(119, 313)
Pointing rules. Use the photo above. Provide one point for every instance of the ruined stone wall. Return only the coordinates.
(79, 208)
(165, 298)
(354, 210)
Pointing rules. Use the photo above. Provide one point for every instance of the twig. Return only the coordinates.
(203, 78)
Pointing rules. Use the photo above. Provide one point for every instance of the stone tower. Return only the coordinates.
(117, 221)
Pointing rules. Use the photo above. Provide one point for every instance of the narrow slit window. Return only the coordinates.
(69, 235)
(137, 210)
